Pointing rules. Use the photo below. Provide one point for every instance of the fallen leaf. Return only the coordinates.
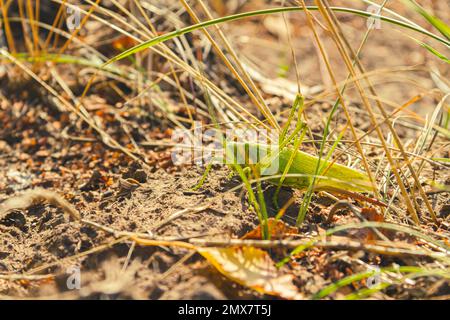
(277, 230)
(123, 43)
(253, 268)
(371, 214)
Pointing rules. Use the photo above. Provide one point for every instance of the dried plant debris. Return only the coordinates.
(36, 196)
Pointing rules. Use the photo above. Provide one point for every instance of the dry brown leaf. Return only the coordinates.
(253, 268)
(123, 43)
(371, 214)
(277, 229)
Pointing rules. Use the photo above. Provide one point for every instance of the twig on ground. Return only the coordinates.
(31, 197)
(178, 214)
(28, 277)
(344, 244)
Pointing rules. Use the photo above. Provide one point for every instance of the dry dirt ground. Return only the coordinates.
(41, 146)
(109, 189)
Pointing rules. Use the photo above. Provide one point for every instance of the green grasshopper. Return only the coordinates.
(294, 168)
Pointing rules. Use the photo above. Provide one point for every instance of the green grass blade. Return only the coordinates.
(434, 51)
(232, 149)
(179, 32)
(431, 49)
(367, 292)
(440, 25)
(444, 160)
(296, 107)
(68, 59)
(363, 275)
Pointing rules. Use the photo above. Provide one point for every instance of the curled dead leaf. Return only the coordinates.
(277, 230)
(253, 268)
(123, 43)
(371, 214)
